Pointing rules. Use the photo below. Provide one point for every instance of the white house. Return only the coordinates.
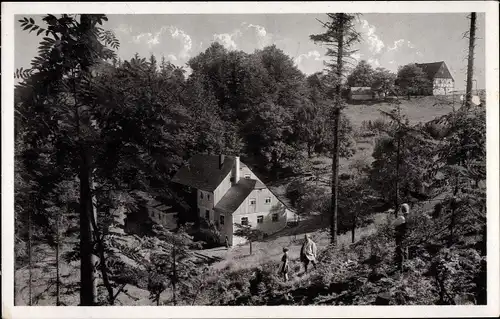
(440, 77)
(229, 193)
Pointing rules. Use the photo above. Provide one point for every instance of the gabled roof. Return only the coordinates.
(202, 172)
(237, 194)
(435, 70)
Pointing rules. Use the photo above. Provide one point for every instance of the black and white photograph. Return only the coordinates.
(336, 157)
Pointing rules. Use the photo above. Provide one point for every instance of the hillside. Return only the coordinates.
(266, 252)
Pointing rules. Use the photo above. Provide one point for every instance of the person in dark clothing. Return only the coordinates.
(285, 267)
(400, 234)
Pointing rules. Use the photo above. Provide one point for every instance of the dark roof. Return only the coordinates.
(435, 70)
(203, 172)
(236, 195)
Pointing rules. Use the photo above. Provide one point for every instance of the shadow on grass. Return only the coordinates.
(312, 224)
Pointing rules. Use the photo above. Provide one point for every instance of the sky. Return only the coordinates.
(388, 40)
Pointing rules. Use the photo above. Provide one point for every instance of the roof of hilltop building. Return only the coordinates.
(237, 194)
(204, 172)
(435, 70)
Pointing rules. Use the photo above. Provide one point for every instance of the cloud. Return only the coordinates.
(149, 38)
(172, 57)
(376, 45)
(374, 62)
(227, 40)
(310, 62)
(123, 29)
(247, 37)
(154, 39)
(356, 56)
(187, 43)
(315, 55)
(400, 43)
(261, 31)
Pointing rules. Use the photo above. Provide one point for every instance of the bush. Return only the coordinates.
(207, 233)
(379, 125)
(295, 190)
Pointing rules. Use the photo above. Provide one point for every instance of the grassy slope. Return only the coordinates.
(419, 109)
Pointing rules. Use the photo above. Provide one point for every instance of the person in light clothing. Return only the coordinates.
(308, 252)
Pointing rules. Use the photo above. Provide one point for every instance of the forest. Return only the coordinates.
(92, 132)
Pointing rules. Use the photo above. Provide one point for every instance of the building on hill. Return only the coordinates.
(229, 193)
(361, 93)
(148, 212)
(440, 77)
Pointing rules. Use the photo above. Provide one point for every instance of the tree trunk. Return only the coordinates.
(453, 212)
(398, 162)
(58, 294)
(99, 240)
(398, 159)
(250, 247)
(470, 63)
(87, 291)
(353, 230)
(174, 281)
(30, 295)
(336, 114)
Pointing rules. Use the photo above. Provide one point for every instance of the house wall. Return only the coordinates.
(227, 228)
(260, 208)
(361, 97)
(205, 203)
(442, 86)
(169, 221)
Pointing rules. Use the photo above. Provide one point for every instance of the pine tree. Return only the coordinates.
(340, 35)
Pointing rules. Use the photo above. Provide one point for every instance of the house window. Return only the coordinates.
(275, 217)
(208, 196)
(221, 219)
(207, 214)
(260, 219)
(244, 221)
(201, 195)
(268, 200)
(247, 176)
(253, 201)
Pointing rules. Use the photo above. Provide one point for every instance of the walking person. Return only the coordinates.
(400, 234)
(285, 266)
(227, 243)
(308, 252)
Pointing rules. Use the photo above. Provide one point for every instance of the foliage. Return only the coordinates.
(412, 80)
(361, 75)
(383, 80)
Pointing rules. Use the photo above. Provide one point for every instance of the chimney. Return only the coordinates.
(221, 161)
(236, 173)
